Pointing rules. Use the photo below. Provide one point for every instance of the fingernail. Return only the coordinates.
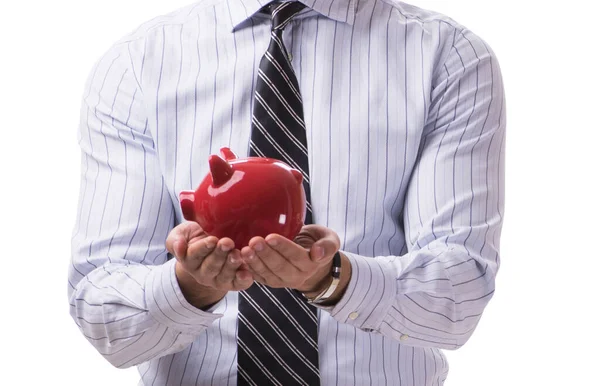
(272, 242)
(232, 259)
(210, 244)
(319, 252)
(259, 247)
(225, 248)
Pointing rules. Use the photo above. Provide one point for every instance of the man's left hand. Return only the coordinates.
(303, 264)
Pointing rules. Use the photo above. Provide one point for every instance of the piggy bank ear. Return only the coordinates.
(220, 170)
(227, 154)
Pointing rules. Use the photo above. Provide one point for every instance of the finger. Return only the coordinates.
(197, 252)
(202, 247)
(327, 244)
(294, 253)
(277, 263)
(228, 270)
(179, 236)
(304, 238)
(259, 268)
(322, 250)
(244, 266)
(243, 280)
(243, 275)
(180, 248)
(213, 263)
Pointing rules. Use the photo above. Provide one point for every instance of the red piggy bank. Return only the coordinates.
(245, 197)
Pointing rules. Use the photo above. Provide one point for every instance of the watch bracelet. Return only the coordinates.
(336, 270)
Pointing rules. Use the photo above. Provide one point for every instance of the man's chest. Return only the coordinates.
(364, 108)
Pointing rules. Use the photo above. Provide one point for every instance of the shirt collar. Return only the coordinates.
(339, 10)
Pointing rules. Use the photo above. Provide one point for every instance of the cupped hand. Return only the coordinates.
(303, 264)
(207, 267)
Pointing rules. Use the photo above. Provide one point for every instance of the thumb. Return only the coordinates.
(327, 242)
(179, 237)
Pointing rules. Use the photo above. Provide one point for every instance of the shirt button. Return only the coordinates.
(290, 57)
(353, 315)
(404, 337)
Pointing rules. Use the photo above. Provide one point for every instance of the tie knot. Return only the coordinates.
(283, 13)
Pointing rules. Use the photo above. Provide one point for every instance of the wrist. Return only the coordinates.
(322, 283)
(324, 293)
(320, 280)
(344, 280)
(197, 295)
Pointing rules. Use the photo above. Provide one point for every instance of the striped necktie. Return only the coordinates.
(277, 329)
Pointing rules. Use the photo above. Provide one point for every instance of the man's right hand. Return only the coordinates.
(207, 267)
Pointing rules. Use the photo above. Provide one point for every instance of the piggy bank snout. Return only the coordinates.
(188, 207)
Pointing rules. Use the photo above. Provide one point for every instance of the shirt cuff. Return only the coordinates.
(168, 306)
(370, 293)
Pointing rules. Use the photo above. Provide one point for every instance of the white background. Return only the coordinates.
(539, 329)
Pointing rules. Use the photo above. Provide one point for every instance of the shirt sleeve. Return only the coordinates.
(435, 293)
(123, 292)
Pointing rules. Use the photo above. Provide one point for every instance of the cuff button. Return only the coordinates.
(353, 315)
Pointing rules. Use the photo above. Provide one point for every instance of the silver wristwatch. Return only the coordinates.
(336, 271)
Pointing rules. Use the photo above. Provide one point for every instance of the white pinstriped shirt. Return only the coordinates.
(405, 120)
